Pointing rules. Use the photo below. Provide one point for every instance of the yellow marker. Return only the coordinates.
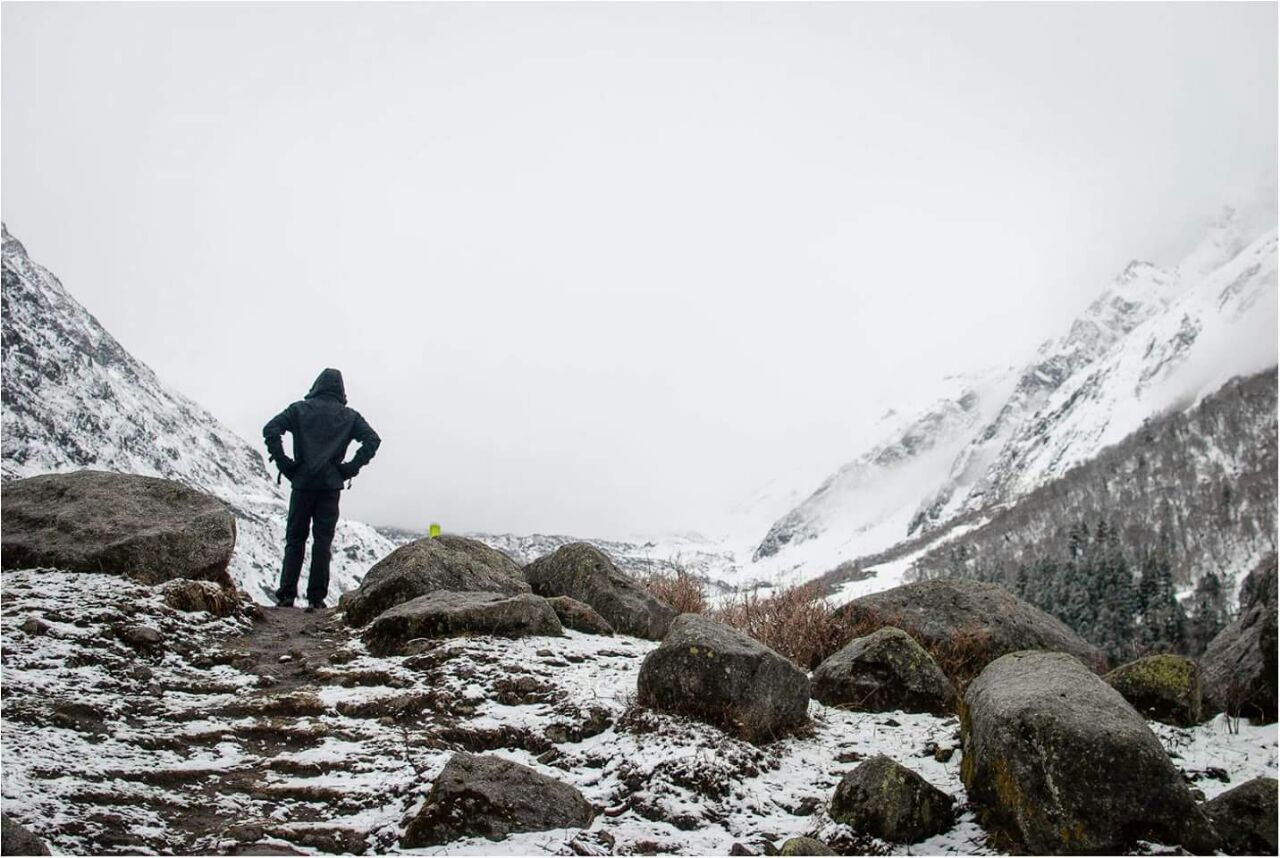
(434, 530)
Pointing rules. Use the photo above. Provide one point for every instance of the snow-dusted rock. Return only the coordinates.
(584, 572)
(443, 613)
(191, 596)
(16, 839)
(1062, 763)
(804, 846)
(985, 618)
(150, 529)
(427, 565)
(884, 671)
(886, 800)
(709, 671)
(1239, 667)
(1245, 818)
(1162, 687)
(488, 796)
(579, 615)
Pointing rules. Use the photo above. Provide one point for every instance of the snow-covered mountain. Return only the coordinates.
(74, 398)
(1156, 340)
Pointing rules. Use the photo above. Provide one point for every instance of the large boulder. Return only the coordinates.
(885, 670)
(585, 573)
(1239, 666)
(16, 839)
(1162, 687)
(972, 622)
(486, 796)
(579, 616)
(709, 671)
(1245, 818)
(151, 530)
(427, 565)
(445, 613)
(887, 800)
(1060, 762)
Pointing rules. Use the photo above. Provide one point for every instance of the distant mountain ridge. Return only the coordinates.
(74, 398)
(1157, 340)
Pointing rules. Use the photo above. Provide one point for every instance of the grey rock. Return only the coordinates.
(1060, 762)
(1245, 818)
(487, 796)
(709, 671)
(988, 619)
(16, 839)
(887, 800)
(585, 573)
(1161, 687)
(881, 672)
(140, 637)
(579, 616)
(196, 596)
(805, 846)
(34, 626)
(1239, 665)
(445, 613)
(427, 565)
(149, 529)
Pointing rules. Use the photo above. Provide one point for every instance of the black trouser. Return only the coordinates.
(319, 512)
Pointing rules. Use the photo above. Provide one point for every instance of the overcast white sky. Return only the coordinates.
(600, 269)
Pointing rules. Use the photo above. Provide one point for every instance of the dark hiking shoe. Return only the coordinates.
(284, 603)
(315, 606)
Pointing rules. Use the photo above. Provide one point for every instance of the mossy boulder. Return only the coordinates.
(717, 674)
(884, 671)
(447, 613)
(425, 566)
(1245, 818)
(805, 846)
(584, 572)
(887, 800)
(972, 621)
(1060, 763)
(1162, 687)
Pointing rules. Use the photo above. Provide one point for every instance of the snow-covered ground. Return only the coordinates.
(184, 748)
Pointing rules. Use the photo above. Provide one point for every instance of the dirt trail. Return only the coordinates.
(288, 644)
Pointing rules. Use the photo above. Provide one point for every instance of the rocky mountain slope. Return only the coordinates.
(1157, 340)
(73, 398)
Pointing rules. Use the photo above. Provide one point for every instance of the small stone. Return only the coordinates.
(34, 626)
(141, 637)
(886, 800)
(805, 846)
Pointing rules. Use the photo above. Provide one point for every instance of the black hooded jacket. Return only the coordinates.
(323, 427)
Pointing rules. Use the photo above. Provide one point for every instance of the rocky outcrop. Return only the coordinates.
(15, 839)
(709, 671)
(889, 801)
(486, 796)
(1057, 760)
(1161, 687)
(1245, 818)
(451, 612)
(579, 616)
(585, 573)
(149, 529)
(427, 565)
(1239, 666)
(883, 671)
(984, 620)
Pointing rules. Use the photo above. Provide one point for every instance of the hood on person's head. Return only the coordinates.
(329, 383)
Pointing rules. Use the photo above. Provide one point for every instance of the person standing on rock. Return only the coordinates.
(322, 427)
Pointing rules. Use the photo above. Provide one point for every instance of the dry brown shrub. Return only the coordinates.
(679, 588)
(794, 621)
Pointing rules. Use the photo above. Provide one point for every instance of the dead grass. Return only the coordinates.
(679, 588)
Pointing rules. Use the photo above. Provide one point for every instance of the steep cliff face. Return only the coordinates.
(74, 398)
(1155, 342)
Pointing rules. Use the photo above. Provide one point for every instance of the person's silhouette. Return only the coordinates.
(322, 427)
